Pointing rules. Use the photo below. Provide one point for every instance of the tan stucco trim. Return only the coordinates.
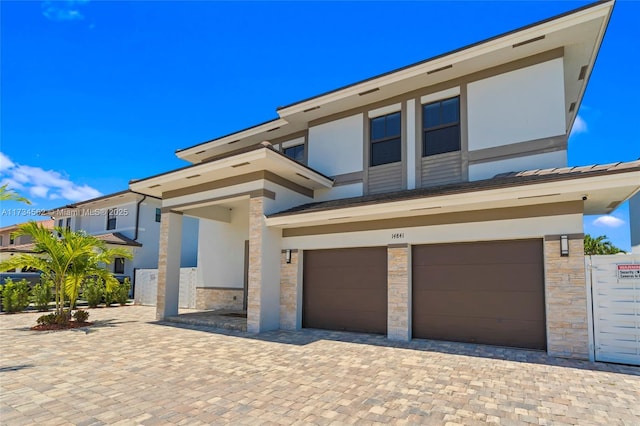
(237, 180)
(403, 143)
(464, 132)
(348, 178)
(217, 184)
(249, 194)
(480, 75)
(553, 209)
(557, 237)
(272, 177)
(403, 245)
(164, 210)
(503, 152)
(262, 193)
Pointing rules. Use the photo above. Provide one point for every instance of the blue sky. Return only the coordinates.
(95, 93)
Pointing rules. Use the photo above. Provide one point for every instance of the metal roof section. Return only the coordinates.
(601, 187)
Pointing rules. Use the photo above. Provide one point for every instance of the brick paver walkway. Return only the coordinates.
(130, 370)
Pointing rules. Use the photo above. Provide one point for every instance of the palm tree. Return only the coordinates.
(11, 195)
(599, 245)
(66, 260)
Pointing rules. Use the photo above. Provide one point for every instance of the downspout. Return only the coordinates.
(135, 236)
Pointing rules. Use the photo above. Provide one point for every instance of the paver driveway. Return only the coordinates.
(130, 370)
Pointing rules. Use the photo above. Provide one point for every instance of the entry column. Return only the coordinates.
(169, 264)
(263, 299)
(291, 290)
(399, 292)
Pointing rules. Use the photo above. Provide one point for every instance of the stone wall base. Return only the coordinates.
(219, 298)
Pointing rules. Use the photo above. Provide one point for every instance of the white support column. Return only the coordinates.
(263, 304)
(411, 144)
(169, 264)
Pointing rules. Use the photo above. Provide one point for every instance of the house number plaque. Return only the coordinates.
(397, 235)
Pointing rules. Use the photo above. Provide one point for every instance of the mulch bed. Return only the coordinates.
(70, 325)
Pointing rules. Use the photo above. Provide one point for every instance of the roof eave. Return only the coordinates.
(603, 8)
(537, 191)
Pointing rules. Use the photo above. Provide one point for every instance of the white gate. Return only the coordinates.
(615, 291)
(146, 292)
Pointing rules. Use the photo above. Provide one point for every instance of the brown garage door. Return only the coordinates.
(482, 292)
(345, 289)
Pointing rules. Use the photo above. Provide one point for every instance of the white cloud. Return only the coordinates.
(40, 183)
(609, 221)
(63, 10)
(11, 184)
(579, 126)
(39, 191)
(5, 162)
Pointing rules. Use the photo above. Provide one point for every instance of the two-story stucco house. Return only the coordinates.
(127, 219)
(11, 244)
(433, 201)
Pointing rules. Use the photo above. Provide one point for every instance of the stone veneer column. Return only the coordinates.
(566, 298)
(291, 291)
(263, 296)
(399, 292)
(169, 264)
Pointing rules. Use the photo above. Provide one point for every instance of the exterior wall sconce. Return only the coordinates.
(564, 246)
(287, 255)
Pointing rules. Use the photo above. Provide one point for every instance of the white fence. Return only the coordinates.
(146, 291)
(614, 283)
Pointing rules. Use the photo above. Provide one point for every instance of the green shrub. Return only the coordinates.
(15, 295)
(50, 319)
(42, 295)
(47, 319)
(81, 316)
(122, 293)
(92, 291)
(110, 297)
(64, 317)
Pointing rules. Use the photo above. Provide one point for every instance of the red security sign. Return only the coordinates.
(629, 272)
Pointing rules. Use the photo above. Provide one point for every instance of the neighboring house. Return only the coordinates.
(126, 219)
(634, 223)
(433, 201)
(10, 244)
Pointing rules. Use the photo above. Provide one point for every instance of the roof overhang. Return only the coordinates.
(600, 194)
(263, 158)
(579, 33)
(95, 203)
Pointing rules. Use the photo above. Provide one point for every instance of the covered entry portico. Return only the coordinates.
(231, 196)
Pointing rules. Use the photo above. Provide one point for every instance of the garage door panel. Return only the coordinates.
(345, 289)
(494, 277)
(345, 278)
(345, 299)
(524, 334)
(479, 253)
(349, 320)
(499, 305)
(485, 292)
